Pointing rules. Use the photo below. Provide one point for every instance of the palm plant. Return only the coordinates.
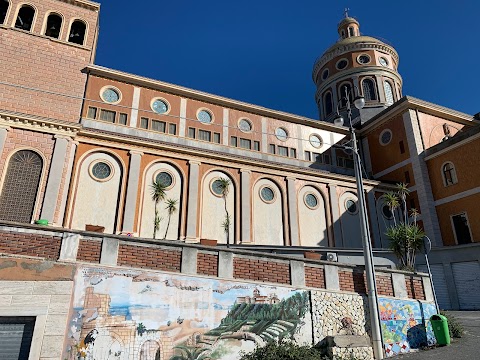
(171, 208)
(414, 213)
(190, 353)
(158, 194)
(224, 187)
(391, 200)
(402, 192)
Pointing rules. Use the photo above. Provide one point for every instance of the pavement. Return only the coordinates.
(465, 348)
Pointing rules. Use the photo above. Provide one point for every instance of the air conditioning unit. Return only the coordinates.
(332, 257)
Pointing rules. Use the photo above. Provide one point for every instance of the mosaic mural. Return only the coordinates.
(405, 325)
(136, 315)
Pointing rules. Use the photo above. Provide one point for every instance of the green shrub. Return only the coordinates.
(283, 350)
(454, 327)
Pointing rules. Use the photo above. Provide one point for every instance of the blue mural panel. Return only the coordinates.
(405, 325)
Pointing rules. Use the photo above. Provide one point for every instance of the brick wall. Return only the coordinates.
(353, 281)
(207, 264)
(261, 270)
(314, 277)
(33, 60)
(89, 250)
(384, 285)
(44, 246)
(149, 258)
(414, 288)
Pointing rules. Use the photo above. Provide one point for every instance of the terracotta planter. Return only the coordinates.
(208, 242)
(312, 255)
(95, 228)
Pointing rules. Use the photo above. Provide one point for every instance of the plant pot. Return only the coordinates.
(95, 228)
(312, 255)
(208, 242)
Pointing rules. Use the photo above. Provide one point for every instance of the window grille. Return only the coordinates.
(245, 144)
(107, 115)
(158, 126)
(388, 93)
(191, 133)
(256, 145)
(216, 138)
(92, 113)
(172, 129)
(123, 119)
(369, 90)
(204, 135)
(282, 151)
(20, 187)
(144, 123)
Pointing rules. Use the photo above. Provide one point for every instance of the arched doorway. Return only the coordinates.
(20, 187)
(150, 350)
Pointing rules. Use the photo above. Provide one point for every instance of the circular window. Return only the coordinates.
(281, 134)
(160, 106)
(267, 194)
(387, 214)
(385, 137)
(245, 125)
(311, 201)
(204, 116)
(110, 95)
(351, 206)
(316, 141)
(325, 74)
(101, 171)
(341, 64)
(164, 179)
(383, 61)
(217, 187)
(363, 59)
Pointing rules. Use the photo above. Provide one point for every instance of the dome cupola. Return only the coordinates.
(360, 64)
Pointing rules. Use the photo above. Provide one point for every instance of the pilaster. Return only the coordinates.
(246, 206)
(192, 204)
(292, 212)
(335, 211)
(132, 191)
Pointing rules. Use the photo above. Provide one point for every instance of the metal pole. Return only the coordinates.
(367, 250)
(430, 273)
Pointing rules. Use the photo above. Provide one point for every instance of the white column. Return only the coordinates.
(68, 177)
(54, 180)
(337, 228)
(183, 117)
(132, 191)
(3, 137)
(293, 212)
(225, 123)
(264, 136)
(135, 105)
(380, 89)
(246, 206)
(192, 205)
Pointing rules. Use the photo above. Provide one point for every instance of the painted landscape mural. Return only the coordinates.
(126, 315)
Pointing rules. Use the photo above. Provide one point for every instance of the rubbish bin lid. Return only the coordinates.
(438, 317)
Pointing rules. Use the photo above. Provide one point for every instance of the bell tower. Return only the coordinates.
(359, 65)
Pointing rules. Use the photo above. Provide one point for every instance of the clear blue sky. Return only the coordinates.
(263, 51)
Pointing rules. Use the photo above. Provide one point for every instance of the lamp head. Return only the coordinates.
(338, 120)
(359, 102)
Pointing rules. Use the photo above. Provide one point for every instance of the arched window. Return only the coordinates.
(54, 24)
(351, 31)
(3, 10)
(369, 90)
(77, 32)
(345, 89)
(25, 18)
(328, 103)
(388, 93)
(449, 174)
(20, 186)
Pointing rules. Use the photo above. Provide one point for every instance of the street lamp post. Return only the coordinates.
(359, 103)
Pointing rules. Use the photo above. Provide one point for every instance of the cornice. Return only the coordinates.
(342, 49)
(199, 155)
(411, 103)
(38, 123)
(91, 5)
(215, 99)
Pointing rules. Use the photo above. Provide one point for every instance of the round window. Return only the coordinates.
(267, 194)
(311, 200)
(386, 212)
(204, 116)
(164, 179)
(217, 187)
(385, 137)
(101, 171)
(363, 59)
(245, 125)
(159, 106)
(281, 134)
(325, 74)
(351, 206)
(342, 64)
(383, 61)
(110, 95)
(316, 141)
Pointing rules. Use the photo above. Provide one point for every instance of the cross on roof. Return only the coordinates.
(346, 12)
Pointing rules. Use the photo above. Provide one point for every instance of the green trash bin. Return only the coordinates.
(440, 329)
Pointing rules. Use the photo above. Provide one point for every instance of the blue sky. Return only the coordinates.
(263, 51)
